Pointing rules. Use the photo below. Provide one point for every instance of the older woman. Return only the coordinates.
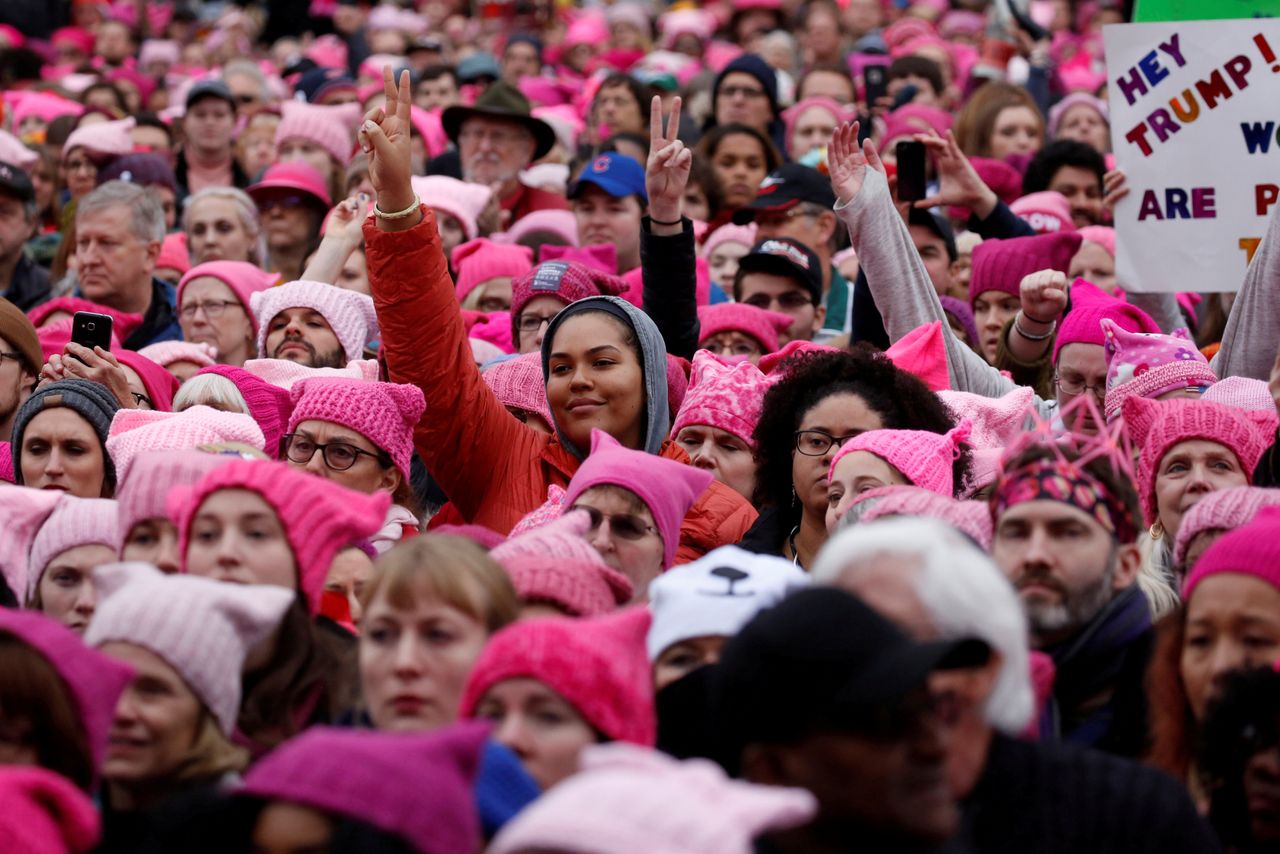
(221, 224)
(213, 307)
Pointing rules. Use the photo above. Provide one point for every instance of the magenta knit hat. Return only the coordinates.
(839, 113)
(202, 628)
(556, 565)
(243, 278)
(136, 430)
(1242, 393)
(924, 459)
(1222, 510)
(1149, 365)
(565, 280)
(1155, 426)
(415, 786)
(625, 799)
(517, 382)
(94, 680)
(460, 200)
(384, 413)
(319, 517)
(284, 374)
(598, 664)
(123, 323)
(332, 128)
(102, 139)
(727, 397)
(1000, 265)
(350, 314)
(42, 812)
(1090, 305)
(761, 324)
(598, 256)
(666, 487)
(166, 353)
(22, 512)
(1253, 549)
(1103, 235)
(151, 475)
(74, 522)
(268, 404)
(477, 261)
(995, 421)
(971, 518)
(174, 254)
(159, 384)
(1047, 212)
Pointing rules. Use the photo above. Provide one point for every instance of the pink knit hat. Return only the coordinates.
(1242, 393)
(350, 314)
(666, 487)
(562, 224)
(729, 233)
(74, 522)
(923, 352)
(94, 680)
(625, 799)
(1059, 110)
(555, 564)
(1155, 426)
(268, 403)
(379, 778)
(166, 353)
(202, 628)
(564, 280)
(1222, 510)
(173, 253)
(22, 511)
(1253, 549)
(159, 384)
(598, 664)
(597, 256)
(839, 113)
(1103, 235)
(319, 517)
(996, 421)
(971, 518)
(517, 382)
(44, 813)
(923, 458)
(1048, 212)
(1090, 305)
(13, 152)
(284, 374)
(477, 261)
(243, 278)
(761, 324)
(460, 200)
(122, 323)
(384, 413)
(1149, 365)
(101, 139)
(1000, 265)
(333, 128)
(136, 430)
(43, 105)
(727, 397)
(151, 475)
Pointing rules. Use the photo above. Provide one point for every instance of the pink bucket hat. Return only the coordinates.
(924, 459)
(73, 523)
(556, 565)
(284, 374)
(598, 664)
(1253, 549)
(103, 139)
(332, 128)
(384, 413)
(349, 314)
(761, 324)
(1000, 265)
(727, 397)
(202, 628)
(666, 487)
(151, 475)
(1149, 365)
(268, 404)
(166, 353)
(460, 200)
(517, 382)
(477, 261)
(294, 175)
(1090, 305)
(244, 280)
(1047, 212)
(134, 431)
(1223, 510)
(319, 517)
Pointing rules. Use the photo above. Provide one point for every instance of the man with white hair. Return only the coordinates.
(1017, 795)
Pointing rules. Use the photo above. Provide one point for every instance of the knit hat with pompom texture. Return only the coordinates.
(1253, 549)
(1222, 510)
(134, 431)
(727, 397)
(384, 413)
(924, 459)
(73, 523)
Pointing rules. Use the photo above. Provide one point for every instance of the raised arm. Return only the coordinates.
(1253, 327)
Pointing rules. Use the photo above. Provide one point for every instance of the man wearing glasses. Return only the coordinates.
(783, 275)
(206, 159)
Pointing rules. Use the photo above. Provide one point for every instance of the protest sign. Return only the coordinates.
(1204, 10)
(1195, 124)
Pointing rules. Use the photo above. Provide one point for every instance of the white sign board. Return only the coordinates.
(1195, 125)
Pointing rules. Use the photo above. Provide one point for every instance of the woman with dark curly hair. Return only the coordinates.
(824, 399)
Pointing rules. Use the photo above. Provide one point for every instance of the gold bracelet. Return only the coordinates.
(407, 212)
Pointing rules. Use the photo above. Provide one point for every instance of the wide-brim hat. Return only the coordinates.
(501, 101)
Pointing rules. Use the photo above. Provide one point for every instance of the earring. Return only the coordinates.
(1157, 530)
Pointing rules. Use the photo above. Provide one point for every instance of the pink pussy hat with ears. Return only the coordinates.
(284, 374)
(166, 353)
(202, 628)
(349, 314)
(626, 799)
(598, 664)
(332, 128)
(134, 431)
(666, 487)
(319, 517)
(42, 812)
(244, 280)
(971, 518)
(22, 511)
(1250, 550)
(1222, 510)
(925, 459)
(380, 778)
(1150, 365)
(268, 404)
(477, 261)
(384, 413)
(1000, 265)
(1155, 426)
(1242, 393)
(151, 475)
(460, 200)
(554, 564)
(1048, 212)
(1090, 305)
(761, 324)
(94, 680)
(727, 397)
(923, 352)
(995, 421)
(74, 522)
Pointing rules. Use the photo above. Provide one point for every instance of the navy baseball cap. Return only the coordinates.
(16, 182)
(784, 256)
(786, 187)
(616, 174)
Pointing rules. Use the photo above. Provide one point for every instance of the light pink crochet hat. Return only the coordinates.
(1223, 510)
(166, 353)
(1149, 365)
(563, 224)
(924, 459)
(350, 314)
(333, 128)
(972, 518)
(517, 382)
(202, 628)
(996, 421)
(726, 397)
(626, 799)
(761, 324)
(1048, 212)
(151, 475)
(74, 522)
(1242, 393)
(384, 413)
(136, 430)
(244, 280)
(284, 374)
(22, 511)
(555, 564)
(104, 139)
(477, 261)
(460, 200)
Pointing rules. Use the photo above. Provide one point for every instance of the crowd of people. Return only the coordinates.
(566, 427)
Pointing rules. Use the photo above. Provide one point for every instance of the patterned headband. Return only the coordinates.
(1058, 479)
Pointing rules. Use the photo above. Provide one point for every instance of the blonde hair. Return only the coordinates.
(210, 390)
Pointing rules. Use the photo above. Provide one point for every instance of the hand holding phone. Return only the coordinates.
(90, 329)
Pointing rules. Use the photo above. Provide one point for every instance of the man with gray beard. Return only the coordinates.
(1065, 535)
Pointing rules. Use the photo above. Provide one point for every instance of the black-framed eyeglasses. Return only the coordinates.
(625, 525)
(338, 456)
(212, 309)
(533, 322)
(1075, 387)
(142, 400)
(815, 443)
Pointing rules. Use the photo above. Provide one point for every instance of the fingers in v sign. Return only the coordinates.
(667, 172)
(384, 136)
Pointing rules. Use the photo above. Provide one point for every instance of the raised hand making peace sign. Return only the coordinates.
(667, 172)
(384, 137)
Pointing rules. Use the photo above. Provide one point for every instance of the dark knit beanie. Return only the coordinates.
(751, 64)
(92, 401)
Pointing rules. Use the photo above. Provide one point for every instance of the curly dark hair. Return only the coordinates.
(901, 400)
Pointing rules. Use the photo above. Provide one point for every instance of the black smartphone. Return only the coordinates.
(876, 78)
(90, 329)
(910, 170)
